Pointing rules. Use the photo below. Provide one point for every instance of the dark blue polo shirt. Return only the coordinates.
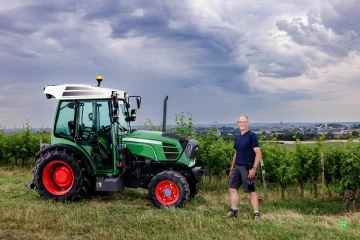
(244, 145)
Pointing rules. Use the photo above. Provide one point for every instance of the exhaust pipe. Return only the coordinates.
(164, 114)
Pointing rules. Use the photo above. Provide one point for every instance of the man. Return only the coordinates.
(244, 167)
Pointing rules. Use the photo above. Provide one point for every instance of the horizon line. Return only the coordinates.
(315, 122)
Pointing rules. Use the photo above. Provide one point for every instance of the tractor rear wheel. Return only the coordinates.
(168, 189)
(59, 174)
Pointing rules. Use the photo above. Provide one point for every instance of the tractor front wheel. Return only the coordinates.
(169, 189)
(60, 175)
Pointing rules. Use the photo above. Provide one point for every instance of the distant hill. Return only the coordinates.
(34, 130)
(233, 125)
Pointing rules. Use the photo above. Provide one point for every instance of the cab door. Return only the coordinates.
(94, 132)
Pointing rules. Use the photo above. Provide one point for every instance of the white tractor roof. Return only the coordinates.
(80, 91)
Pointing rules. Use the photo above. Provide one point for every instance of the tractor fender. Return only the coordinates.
(78, 153)
(197, 172)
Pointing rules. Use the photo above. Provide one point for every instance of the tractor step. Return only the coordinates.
(108, 184)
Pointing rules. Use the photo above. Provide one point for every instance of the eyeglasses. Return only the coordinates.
(241, 121)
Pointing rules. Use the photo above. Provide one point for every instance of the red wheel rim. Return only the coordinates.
(58, 177)
(167, 192)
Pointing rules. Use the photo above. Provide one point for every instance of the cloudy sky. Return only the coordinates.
(274, 60)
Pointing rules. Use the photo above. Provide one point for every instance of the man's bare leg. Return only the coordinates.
(234, 198)
(254, 201)
(255, 204)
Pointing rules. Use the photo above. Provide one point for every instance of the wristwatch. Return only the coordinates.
(255, 168)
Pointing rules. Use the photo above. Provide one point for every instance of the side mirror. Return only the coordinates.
(132, 116)
(138, 101)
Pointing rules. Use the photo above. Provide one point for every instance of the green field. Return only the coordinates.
(329, 144)
(128, 215)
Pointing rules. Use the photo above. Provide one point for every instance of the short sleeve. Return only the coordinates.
(255, 141)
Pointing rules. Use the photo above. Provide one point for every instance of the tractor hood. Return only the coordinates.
(154, 137)
(162, 146)
(142, 134)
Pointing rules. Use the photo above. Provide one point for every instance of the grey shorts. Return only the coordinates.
(239, 176)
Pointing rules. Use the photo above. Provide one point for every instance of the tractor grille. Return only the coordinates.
(171, 151)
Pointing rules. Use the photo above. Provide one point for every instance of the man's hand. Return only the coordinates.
(252, 173)
(230, 171)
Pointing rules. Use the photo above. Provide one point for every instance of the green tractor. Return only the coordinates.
(94, 149)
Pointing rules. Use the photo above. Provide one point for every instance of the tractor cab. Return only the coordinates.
(93, 119)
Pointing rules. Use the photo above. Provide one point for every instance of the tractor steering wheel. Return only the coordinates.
(105, 129)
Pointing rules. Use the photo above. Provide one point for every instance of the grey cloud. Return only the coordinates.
(296, 27)
(157, 16)
(156, 22)
(28, 19)
(26, 53)
(309, 35)
(280, 66)
(297, 95)
(342, 17)
(313, 17)
(229, 78)
(217, 41)
(180, 52)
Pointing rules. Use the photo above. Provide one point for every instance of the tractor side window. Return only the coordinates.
(94, 116)
(86, 118)
(65, 127)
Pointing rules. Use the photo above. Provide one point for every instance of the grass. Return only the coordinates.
(129, 215)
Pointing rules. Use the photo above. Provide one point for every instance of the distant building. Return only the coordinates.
(285, 126)
(218, 133)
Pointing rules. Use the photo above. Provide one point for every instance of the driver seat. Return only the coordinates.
(72, 129)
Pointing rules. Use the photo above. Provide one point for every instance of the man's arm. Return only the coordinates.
(233, 162)
(257, 156)
(252, 172)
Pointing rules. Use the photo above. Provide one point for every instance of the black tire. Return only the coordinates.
(168, 189)
(194, 189)
(55, 165)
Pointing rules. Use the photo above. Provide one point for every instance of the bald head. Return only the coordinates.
(243, 116)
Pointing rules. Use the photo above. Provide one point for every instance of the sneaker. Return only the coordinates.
(231, 214)
(257, 216)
